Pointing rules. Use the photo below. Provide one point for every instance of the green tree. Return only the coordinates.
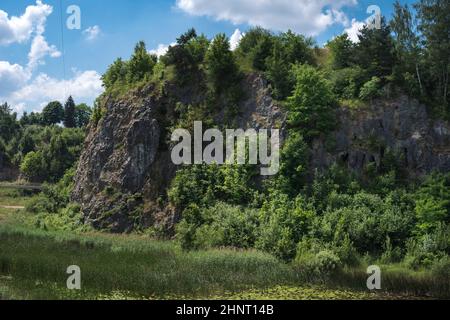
(53, 113)
(407, 40)
(83, 114)
(434, 23)
(116, 73)
(284, 222)
(298, 49)
(34, 166)
(34, 118)
(433, 202)
(185, 56)
(69, 113)
(141, 64)
(255, 47)
(8, 122)
(294, 164)
(221, 67)
(375, 50)
(342, 50)
(288, 48)
(312, 105)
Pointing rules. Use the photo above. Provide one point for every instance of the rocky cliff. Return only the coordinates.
(401, 126)
(125, 169)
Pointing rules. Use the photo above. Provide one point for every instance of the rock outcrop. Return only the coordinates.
(125, 169)
(401, 126)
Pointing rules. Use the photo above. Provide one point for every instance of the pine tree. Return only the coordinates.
(69, 113)
(375, 50)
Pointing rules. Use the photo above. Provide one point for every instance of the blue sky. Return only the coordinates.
(32, 55)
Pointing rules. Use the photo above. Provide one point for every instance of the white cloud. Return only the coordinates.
(354, 30)
(161, 49)
(83, 86)
(92, 33)
(39, 50)
(12, 77)
(303, 16)
(235, 39)
(20, 29)
(19, 86)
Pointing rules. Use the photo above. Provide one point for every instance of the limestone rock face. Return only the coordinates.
(400, 125)
(126, 167)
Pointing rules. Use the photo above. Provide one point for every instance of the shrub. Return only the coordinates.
(346, 83)
(205, 184)
(34, 166)
(221, 225)
(368, 220)
(284, 222)
(433, 203)
(371, 89)
(441, 268)
(312, 104)
(315, 261)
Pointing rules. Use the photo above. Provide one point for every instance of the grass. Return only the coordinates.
(133, 264)
(13, 197)
(33, 265)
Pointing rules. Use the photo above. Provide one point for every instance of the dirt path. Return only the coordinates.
(13, 207)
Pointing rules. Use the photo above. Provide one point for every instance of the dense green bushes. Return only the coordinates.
(221, 225)
(54, 150)
(122, 73)
(312, 104)
(38, 145)
(332, 223)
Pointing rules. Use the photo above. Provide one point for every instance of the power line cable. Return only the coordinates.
(63, 47)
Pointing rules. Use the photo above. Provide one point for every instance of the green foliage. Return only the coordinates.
(53, 197)
(320, 265)
(55, 150)
(294, 165)
(255, 47)
(187, 56)
(284, 222)
(433, 203)
(116, 74)
(375, 50)
(32, 166)
(83, 114)
(34, 118)
(346, 83)
(53, 113)
(69, 113)
(342, 50)
(288, 49)
(123, 75)
(312, 104)
(434, 25)
(8, 122)
(140, 66)
(221, 225)
(429, 248)
(368, 220)
(222, 72)
(204, 184)
(371, 89)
